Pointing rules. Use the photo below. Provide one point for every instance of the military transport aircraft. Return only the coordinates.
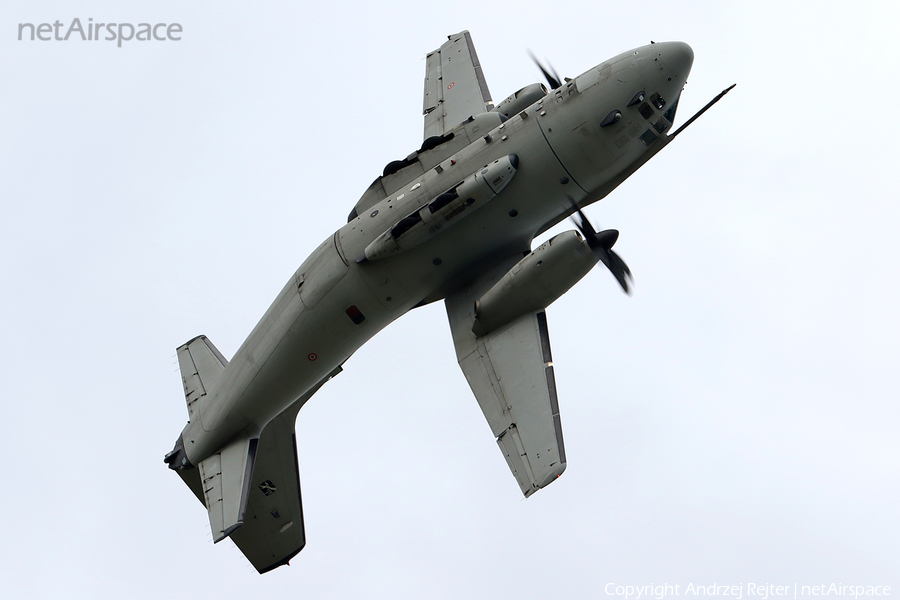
(452, 221)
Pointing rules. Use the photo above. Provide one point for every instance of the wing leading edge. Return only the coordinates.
(455, 87)
(510, 371)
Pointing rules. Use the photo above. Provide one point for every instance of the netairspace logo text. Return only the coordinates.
(92, 32)
(744, 591)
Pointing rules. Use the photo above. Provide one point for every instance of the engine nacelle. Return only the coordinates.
(445, 210)
(535, 282)
(522, 99)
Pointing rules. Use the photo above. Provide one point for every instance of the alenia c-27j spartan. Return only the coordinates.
(453, 221)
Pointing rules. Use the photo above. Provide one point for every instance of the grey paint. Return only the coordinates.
(560, 162)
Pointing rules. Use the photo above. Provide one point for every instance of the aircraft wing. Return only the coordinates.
(455, 88)
(510, 371)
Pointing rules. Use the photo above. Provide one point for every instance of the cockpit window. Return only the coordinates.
(670, 114)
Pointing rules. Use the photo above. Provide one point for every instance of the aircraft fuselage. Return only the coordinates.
(567, 153)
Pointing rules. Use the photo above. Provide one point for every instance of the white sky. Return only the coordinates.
(733, 422)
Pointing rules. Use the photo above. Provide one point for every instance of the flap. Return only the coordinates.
(455, 87)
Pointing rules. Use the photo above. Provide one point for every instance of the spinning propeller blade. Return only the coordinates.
(552, 77)
(601, 243)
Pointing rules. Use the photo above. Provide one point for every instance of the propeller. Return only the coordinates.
(601, 243)
(551, 76)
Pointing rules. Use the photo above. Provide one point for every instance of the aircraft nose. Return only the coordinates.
(678, 57)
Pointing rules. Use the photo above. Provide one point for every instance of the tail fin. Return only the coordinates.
(201, 366)
(262, 513)
(273, 531)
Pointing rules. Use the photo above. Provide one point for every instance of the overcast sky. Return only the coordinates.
(734, 422)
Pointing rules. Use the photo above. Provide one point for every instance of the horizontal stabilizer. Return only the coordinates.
(225, 477)
(201, 365)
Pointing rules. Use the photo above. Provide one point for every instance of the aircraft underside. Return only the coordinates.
(453, 221)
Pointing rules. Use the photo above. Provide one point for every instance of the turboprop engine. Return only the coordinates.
(445, 210)
(536, 281)
(522, 99)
